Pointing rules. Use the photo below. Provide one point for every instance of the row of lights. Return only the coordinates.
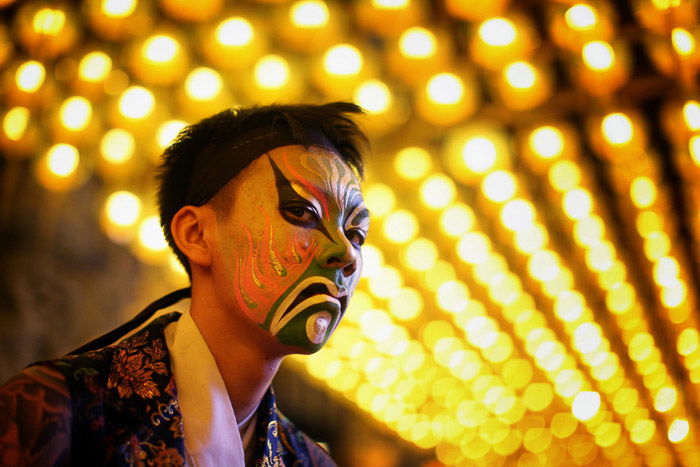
(448, 97)
(446, 350)
(601, 258)
(547, 268)
(686, 144)
(444, 300)
(661, 399)
(648, 201)
(501, 43)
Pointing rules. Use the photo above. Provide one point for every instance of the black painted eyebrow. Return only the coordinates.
(286, 193)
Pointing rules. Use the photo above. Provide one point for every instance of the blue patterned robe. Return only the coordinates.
(125, 409)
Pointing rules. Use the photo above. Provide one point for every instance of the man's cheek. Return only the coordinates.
(268, 297)
(257, 317)
(254, 288)
(254, 307)
(297, 247)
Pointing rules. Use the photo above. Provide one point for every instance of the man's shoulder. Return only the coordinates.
(89, 367)
(41, 382)
(35, 417)
(42, 406)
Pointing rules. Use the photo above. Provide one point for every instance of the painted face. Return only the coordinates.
(291, 243)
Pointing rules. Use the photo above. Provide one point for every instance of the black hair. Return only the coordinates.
(213, 137)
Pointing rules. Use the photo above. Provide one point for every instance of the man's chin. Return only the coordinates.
(301, 348)
(310, 329)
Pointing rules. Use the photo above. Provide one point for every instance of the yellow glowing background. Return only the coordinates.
(530, 292)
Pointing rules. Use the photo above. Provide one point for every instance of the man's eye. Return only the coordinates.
(300, 215)
(355, 236)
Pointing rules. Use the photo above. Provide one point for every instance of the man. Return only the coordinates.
(263, 208)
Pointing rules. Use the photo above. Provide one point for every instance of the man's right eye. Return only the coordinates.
(300, 215)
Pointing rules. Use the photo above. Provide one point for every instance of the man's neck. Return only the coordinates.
(239, 349)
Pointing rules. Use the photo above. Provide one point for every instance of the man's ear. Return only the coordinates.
(189, 228)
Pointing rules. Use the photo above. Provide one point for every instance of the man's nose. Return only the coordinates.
(339, 253)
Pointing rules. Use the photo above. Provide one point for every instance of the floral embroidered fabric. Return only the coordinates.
(125, 409)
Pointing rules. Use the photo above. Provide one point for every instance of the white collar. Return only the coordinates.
(212, 437)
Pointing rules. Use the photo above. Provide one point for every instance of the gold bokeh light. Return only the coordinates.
(30, 76)
(15, 122)
(413, 163)
(479, 154)
(417, 42)
(309, 14)
(136, 103)
(49, 21)
(160, 48)
(520, 75)
(380, 199)
(374, 96)
(547, 142)
(499, 186)
(683, 42)
(617, 129)
(118, 8)
(168, 131)
(581, 17)
(120, 214)
(400, 226)
(437, 191)
(235, 32)
(62, 160)
(598, 55)
(498, 32)
(203, 84)
(272, 72)
(75, 113)
(390, 4)
(343, 60)
(94, 66)
(151, 234)
(445, 88)
(691, 115)
(117, 146)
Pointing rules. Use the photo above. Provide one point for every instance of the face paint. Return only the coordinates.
(291, 243)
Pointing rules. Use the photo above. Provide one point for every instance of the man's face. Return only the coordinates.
(291, 243)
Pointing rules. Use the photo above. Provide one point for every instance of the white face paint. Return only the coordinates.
(317, 325)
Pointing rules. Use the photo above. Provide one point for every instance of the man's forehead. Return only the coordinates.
(315, 167)
(310, 162)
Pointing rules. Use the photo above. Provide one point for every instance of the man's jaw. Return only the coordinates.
(310, 292)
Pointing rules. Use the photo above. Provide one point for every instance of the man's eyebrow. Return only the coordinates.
(358, 215)
(284, 187)
(364, 212)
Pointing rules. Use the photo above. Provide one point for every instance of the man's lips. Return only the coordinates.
(317, 288)
(309, 292)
